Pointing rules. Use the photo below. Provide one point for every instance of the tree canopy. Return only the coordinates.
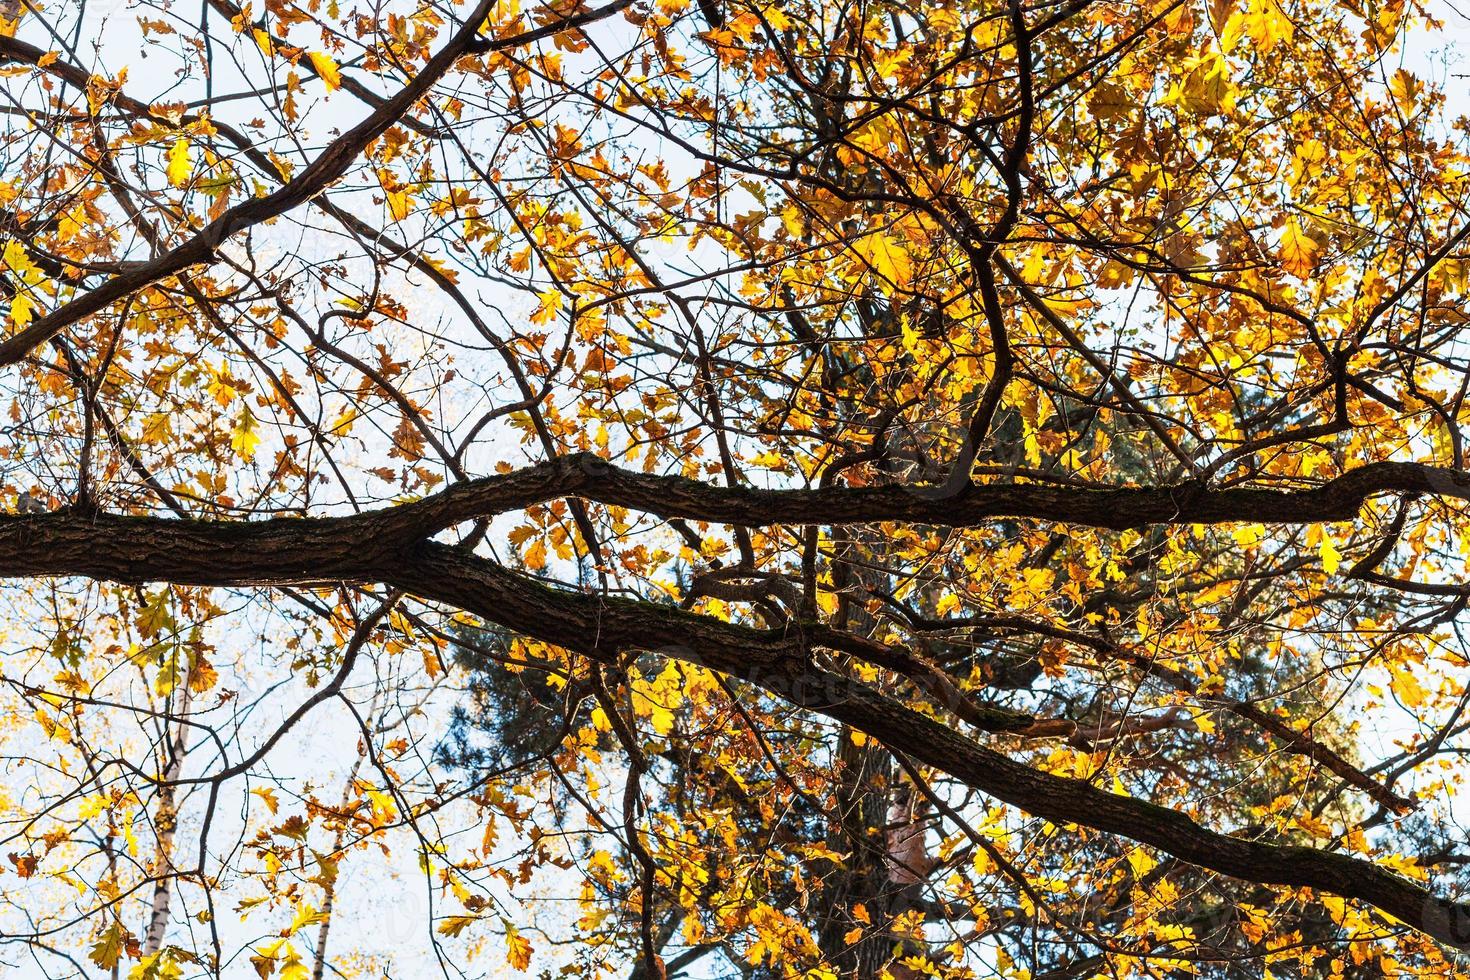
(792, 489)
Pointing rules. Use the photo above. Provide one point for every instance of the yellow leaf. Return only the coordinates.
(398, 204)
(550, 305)
(1307, 160)
(887, 257)
(1206, 88)
(791, 218)
(455, 924)
(220, 389)
(180, 166)
(382, 804)
(306, 915)
(16, 259)
(107, 950)
(1407, 687)
(94, 805)
(450, 275)
(292, 967)
(1298, 250)
(245, 435)
(777, 18)
(768, 460)
(517, 949)
(268, 795)
(158, 427)
(158, 966)
(326, 69)
(1331, 557)
(1140, 862)
(1266, 24)
(661, 718)
(1405, 89)
(1312, 825)
(1248, 534)
(343, 425)
(22, 309)
(202, 675)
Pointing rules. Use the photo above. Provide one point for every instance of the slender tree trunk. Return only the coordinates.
(165, 823)
(329, 887)
(319, 968)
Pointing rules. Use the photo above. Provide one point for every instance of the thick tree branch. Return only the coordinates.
(283, 552)
(777, 661)
(107, 540)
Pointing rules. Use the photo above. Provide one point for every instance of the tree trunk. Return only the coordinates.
(165, 823)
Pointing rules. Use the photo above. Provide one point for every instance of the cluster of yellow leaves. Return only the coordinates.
(28, 278)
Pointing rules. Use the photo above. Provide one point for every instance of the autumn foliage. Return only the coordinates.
(793, 489)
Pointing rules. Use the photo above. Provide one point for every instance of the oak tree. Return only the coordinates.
(809, 488)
